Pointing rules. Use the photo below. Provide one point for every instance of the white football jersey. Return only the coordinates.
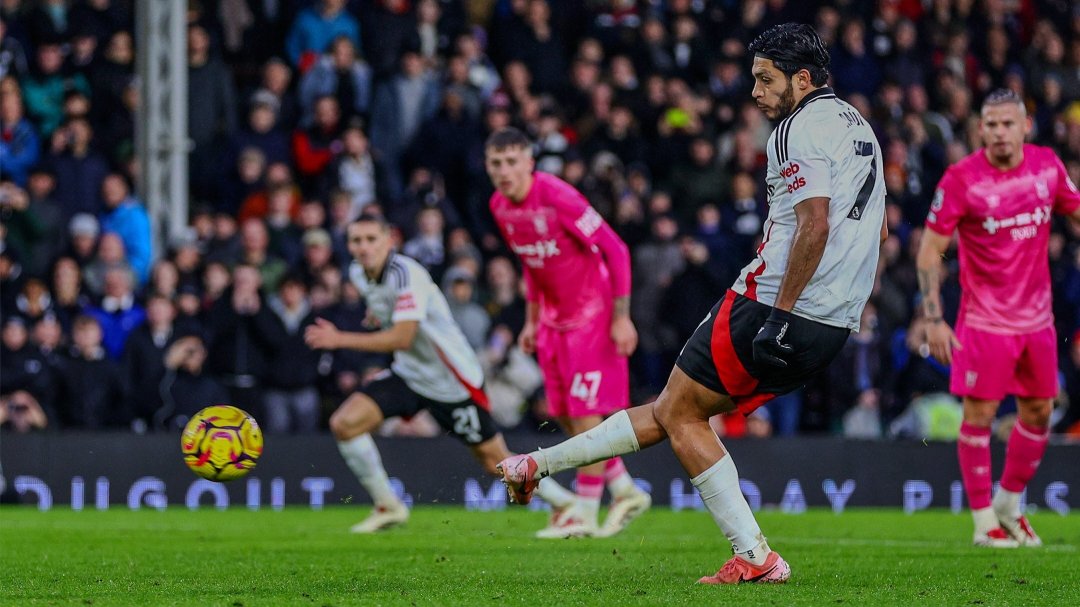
(823, 149)
(440, 365)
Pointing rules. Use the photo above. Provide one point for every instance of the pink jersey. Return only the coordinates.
(575, 264)
(1003, 220)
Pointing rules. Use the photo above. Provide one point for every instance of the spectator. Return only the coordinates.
(12, 54)
(91, 388)
(291, 401)
(459, 285)
(315, 28)
(51, 218)
(427, 246)
(353, 171)
(275, 85)
(245, 337)
(78, 168)
(118, 314)
(261, 132)
(211, 113)
(126, 217)
(185, 387)
(44, 88)
(245, 181)
(23, 227)
(164, 279)
(112, 74)
(314, 147)
(22, 367)
(68, 296)
(340, 74)
(21, 412)
(110, 255)
(284, 234)
(257, 204)
(401, 105)
(254, 251)
(143, 360)
(19, 143)
(318, 256)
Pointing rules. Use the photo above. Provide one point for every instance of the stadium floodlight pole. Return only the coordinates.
(161, 127)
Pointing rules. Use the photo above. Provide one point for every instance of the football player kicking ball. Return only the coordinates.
(999, 200)
(433, 368)
(786, 317)
(577, 274)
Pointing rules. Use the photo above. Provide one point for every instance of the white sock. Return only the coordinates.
(985, 520)
(622, 485)
(362, 456)
(1007, 502)
(719, 488)
(614, 436)
(553, 493)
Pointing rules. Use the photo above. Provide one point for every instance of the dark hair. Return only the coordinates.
(378, 220)
(1002, 97)
(508, 137)
(793, 47)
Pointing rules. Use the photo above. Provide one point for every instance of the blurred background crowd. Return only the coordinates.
(305, 114)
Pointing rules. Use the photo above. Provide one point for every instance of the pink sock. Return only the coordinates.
(1022, 455)
(973, 451)
(613, 468)
(589, 486)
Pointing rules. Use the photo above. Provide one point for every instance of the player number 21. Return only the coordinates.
(467, 423)
(585, 386)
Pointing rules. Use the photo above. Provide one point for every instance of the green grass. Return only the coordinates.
(447, 556)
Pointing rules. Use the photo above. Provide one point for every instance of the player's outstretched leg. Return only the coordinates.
(350, 425)
(494, 450)
(617, 435)
(1026, 447)
(627, 501)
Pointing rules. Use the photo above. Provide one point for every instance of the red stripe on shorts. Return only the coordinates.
(733, 375)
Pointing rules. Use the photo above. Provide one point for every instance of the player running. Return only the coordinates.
(999, 200)
(786, 317)
(434, 368)
(577, 274)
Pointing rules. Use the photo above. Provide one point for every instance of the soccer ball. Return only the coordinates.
(221, 443)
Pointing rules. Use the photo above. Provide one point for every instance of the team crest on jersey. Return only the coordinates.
(1041, 190)
(970, 378)
(540, 223)
(993, 200)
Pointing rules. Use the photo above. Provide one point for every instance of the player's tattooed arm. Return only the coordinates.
(622, 306)
(928, 269)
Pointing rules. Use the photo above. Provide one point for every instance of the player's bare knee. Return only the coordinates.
(1035, 411)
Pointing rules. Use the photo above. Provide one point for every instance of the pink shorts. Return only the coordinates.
(583, 373)
(991, 365)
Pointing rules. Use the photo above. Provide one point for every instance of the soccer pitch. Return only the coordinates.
(449, 556)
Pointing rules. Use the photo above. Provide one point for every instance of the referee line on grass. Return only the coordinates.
(847, 541)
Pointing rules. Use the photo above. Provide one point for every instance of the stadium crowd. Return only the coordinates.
(305, 114)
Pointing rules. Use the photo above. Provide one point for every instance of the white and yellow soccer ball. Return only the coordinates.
(221, 443)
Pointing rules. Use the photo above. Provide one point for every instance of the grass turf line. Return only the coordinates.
(447, 556)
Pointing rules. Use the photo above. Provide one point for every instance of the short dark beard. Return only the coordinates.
(786, 105)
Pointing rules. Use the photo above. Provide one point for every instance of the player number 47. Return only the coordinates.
(585, 386)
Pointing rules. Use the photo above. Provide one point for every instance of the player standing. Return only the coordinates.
(577, 273)
(786, 317)
(434, 368)
(999, 200)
